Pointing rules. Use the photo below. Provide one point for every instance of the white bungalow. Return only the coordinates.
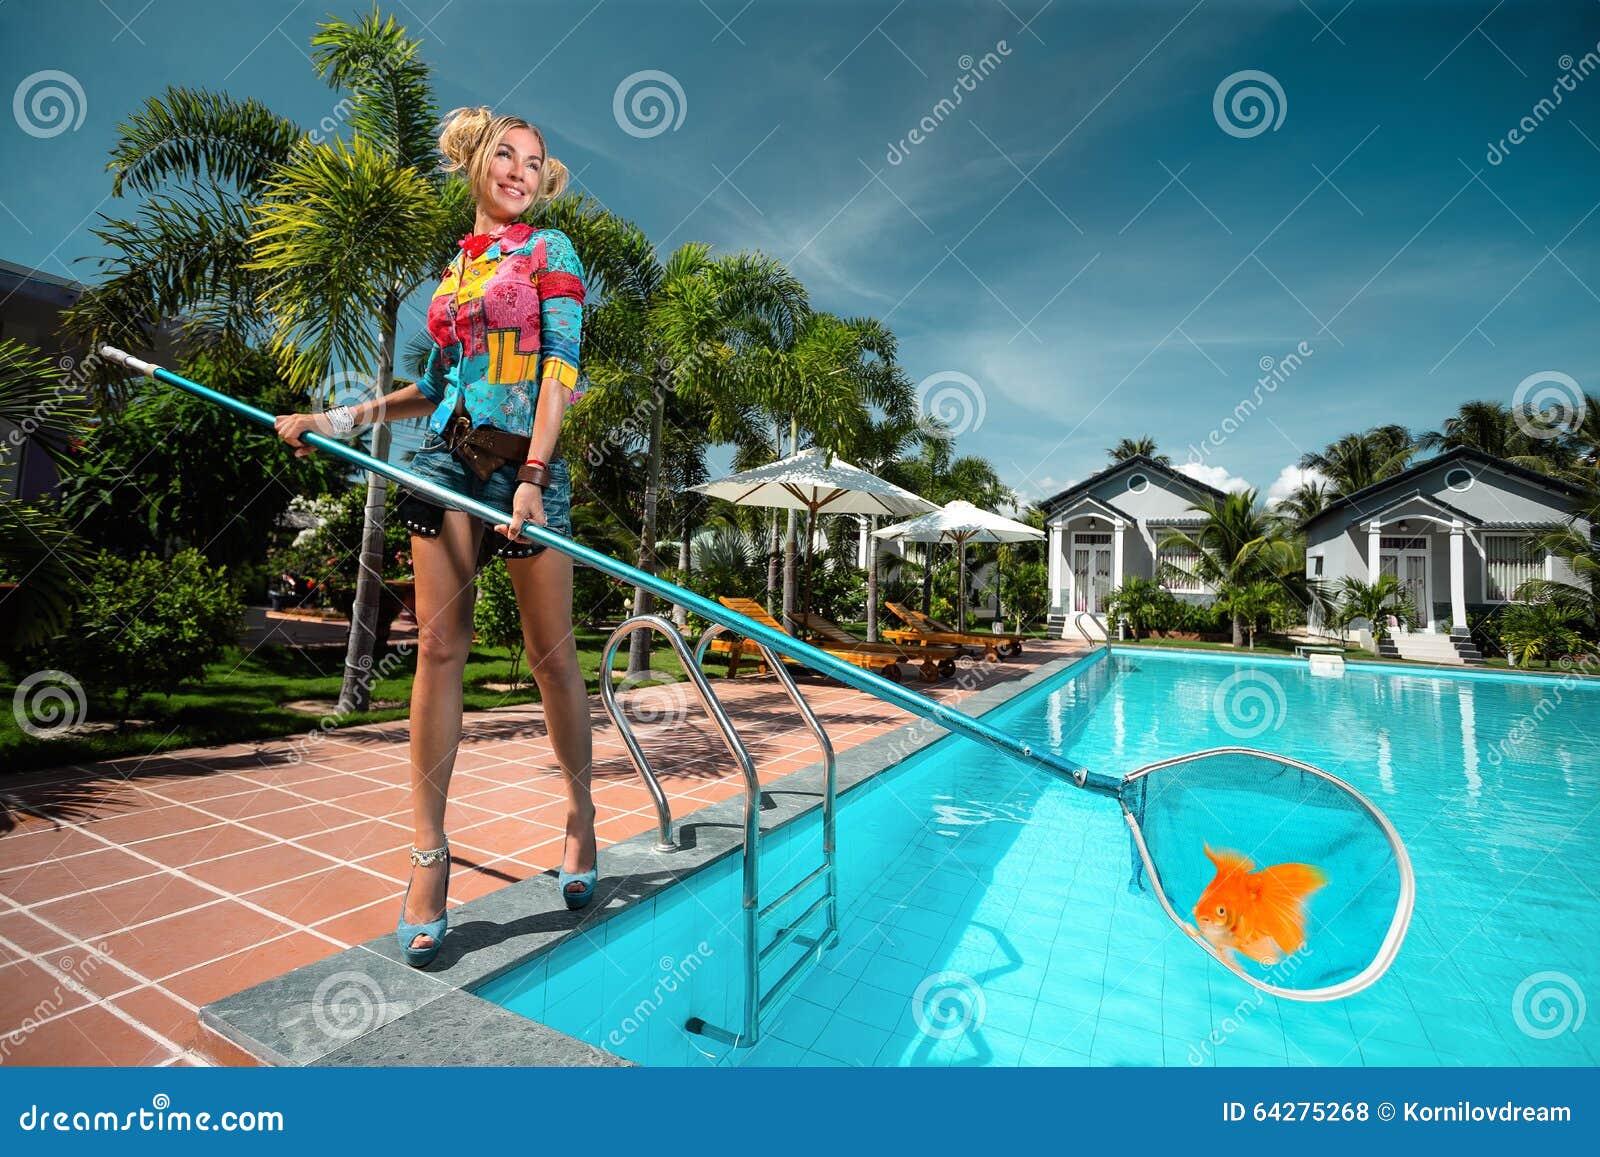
(1460, 530)
(1109, 527)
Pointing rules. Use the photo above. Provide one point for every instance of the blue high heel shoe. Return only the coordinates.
(405, 933)
(579, 899)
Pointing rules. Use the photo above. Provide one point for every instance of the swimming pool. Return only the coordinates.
(987, 919)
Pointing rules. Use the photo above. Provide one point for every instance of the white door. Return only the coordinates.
(1407, 560)
(1091, 572)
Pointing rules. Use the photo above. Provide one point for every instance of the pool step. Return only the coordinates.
(1422, 648)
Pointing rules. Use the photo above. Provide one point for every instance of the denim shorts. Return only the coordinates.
(434, 462)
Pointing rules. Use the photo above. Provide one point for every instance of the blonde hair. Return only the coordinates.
(467, 141)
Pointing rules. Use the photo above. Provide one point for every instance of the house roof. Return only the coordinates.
(1463, 454)
(1110, 508)
(1142, 461)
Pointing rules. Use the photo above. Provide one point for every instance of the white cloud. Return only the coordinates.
(1290, 479)
(1217, 476)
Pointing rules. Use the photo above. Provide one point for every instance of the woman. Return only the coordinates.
(506, 325)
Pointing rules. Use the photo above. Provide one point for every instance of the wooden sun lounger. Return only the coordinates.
(941, 660)
(924, 630)
(887, 664)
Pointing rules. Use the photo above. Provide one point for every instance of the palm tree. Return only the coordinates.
(1134, 447)
(1303, 503)
(939, 478)
(1373, 601)
(1496, 429)
(673, 330)
(1238, 544)
(1357, 461)
(882, 448)
(1574, 544)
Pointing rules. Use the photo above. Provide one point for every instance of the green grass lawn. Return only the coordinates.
(1276, 645)
(242, 698)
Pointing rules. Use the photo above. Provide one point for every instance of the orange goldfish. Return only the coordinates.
(1257, 913)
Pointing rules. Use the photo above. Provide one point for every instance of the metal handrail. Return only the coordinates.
(708, 698)
(1105, 635)
(756, 1001)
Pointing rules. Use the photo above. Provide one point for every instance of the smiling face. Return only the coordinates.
(512, 178)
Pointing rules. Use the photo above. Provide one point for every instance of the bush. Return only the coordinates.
(1545, 631)
(495, 616)
(1145, 604)
(147, 624)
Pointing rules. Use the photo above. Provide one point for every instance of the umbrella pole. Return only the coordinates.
(811, 531)
(961, 584)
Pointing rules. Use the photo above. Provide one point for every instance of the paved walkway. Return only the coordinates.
(135, 891)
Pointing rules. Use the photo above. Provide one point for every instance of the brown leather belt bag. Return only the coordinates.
(483, 448)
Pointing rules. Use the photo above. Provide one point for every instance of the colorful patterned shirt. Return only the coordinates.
(507, 315)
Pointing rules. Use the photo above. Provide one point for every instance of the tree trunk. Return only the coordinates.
(355, 692)
(643, 600)
(1238, 631)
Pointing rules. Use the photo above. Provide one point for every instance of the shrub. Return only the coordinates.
(147, 624)
(495, 616)
(1545, 631)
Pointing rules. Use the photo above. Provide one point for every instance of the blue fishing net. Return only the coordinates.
(1274, 811)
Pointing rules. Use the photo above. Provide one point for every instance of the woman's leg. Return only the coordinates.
(544, 596)
(444, 570)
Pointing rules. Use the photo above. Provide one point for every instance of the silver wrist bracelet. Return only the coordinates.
(341, 421)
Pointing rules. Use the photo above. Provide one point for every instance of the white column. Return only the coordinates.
(1373, 536)
(1117, 526)
(1458, 578)
(863, 559)
(1055, 565)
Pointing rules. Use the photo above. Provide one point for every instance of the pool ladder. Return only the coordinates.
(756, 917)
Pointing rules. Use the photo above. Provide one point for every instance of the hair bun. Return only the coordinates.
(463, 132)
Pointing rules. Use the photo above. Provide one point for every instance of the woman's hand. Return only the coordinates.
(527, 506)
(291, 426)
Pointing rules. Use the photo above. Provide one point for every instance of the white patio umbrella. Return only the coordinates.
(813, 482)
(960, 522)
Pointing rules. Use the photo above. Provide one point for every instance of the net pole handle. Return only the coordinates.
(780, 641)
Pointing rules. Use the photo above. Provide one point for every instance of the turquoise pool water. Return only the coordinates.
(987, 918)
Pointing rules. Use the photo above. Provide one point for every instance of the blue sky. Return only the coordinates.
(1076, 251)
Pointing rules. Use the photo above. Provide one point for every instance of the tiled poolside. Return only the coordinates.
(134, 891)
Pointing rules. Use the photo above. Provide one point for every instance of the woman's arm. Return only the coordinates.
(413, 401)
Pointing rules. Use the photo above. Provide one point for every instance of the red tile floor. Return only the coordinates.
(133, 892)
